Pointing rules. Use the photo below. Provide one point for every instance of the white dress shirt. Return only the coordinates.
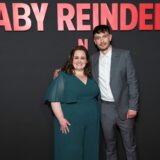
(104, 75)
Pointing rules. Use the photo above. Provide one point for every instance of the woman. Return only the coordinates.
(73, 97)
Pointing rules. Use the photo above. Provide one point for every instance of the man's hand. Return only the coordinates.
(131, 114)
(56, 72)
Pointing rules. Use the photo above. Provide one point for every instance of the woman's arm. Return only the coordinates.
(64, 123)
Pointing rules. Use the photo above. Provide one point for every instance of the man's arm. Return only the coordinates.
(133, 87)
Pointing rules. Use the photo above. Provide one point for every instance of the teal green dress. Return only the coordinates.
(81, 108)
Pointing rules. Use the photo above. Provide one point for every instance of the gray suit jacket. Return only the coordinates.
(123, 80)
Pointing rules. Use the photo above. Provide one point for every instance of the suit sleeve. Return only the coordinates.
(132, 83)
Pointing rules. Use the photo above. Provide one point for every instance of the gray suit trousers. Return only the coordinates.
(110, 121)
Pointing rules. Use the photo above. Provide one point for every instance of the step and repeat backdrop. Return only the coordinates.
(36, 37)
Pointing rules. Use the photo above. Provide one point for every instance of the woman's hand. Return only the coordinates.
(64, 125)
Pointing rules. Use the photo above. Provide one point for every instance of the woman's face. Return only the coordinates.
(79, 60)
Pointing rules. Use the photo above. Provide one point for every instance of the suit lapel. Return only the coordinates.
(114, 61)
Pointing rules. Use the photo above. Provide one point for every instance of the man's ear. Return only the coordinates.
(94, 41)
(110, 37)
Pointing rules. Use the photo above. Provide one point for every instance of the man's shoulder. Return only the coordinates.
(120, 51)
(94, 57)
(94, 54)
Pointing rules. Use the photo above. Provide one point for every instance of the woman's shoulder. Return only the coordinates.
(92, 79)
(60, 75)
(64, 74)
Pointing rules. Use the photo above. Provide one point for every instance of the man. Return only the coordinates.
(114, 71)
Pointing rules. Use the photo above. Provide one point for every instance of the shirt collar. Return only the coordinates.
(108, 53)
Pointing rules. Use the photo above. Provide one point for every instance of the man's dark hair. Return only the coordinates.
(101, 29)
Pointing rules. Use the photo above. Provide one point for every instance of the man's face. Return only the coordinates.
(102, 40)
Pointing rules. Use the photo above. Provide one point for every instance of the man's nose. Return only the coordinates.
(101, 39)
